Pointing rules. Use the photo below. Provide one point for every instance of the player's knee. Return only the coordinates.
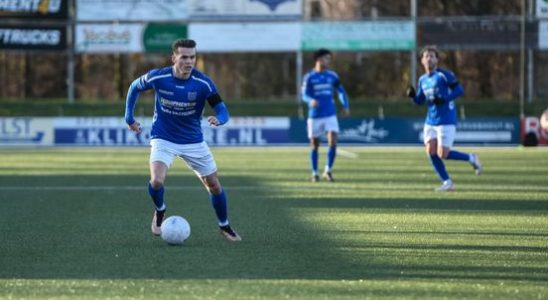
(442, 154)
(214, 188)
(155, 183)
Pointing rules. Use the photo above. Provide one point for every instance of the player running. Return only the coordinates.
(180, 96)
(439, 89)
(317, 91)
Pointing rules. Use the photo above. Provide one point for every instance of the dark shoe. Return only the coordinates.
(328, 176)
(228, 233)
(157, 220)
(315, 178)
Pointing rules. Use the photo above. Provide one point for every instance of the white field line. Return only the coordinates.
(330, 187)
(347, 154)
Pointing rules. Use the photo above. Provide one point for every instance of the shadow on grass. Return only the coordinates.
(97, 233)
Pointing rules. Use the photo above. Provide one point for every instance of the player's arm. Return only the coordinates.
(135, 88)
(343, 98)
(417, 96)
(221, 111)
(306, 93)
(454, 89)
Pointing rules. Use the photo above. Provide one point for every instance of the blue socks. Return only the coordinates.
(157, 196)
(439, 167)
(455, 155)
(219, 204)
(314, 161)
(331, 154)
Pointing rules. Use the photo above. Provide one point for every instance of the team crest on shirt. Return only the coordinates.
(191, 96)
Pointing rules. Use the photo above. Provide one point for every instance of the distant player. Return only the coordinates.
(181, 93)
(439, 89)
(318, 88)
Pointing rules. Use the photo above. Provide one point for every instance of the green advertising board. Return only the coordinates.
(157, 37)
(358, 36)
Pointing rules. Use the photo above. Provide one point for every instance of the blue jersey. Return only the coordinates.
(179, 104)
(440, 84)
(321, 86)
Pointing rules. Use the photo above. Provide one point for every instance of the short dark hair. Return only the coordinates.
(321, 52)
(429, 48)
(184, 43)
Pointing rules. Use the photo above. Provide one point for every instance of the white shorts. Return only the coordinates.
(197, 156)
(445, 134)
(317, 127)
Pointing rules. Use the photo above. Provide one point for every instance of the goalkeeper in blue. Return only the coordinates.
(439, 89)
(180, 96)
(318, 88)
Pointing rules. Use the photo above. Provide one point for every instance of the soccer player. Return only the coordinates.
(180, 96)
(318, 88)
(439, 89)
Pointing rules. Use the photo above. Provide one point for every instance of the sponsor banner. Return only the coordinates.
(543, 35)
(247, 131)
(245, 9)
(26, 131)
(246, 37)
(409, 131)
(356, 36)
(131, 10)
(477, 34)
(35, 9)
(256, 131)
(109, 131)
(99, 131)
(157, 37)
(33, 37)
(542, 8)
(106, 38)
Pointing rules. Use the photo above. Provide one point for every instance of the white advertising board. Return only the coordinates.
(246, 37)
(245, 9)
(543, 35)
(131, 10)
(106, 38)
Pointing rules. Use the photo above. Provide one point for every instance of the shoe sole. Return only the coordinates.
(228, 237)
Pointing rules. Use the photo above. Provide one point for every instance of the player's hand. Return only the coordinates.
(213, 121)
(438, 100)
(410, 92)
(135, 127)
(346, 112)
(313, 103)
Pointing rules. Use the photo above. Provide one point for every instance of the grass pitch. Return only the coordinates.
(75, 225)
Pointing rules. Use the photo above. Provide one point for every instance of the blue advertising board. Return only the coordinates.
(248, 131)
(475, 131)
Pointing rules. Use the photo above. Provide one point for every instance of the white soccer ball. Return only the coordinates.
(175, 230)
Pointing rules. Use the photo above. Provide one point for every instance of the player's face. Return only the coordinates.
(324, 61)
(429, 60)
(184, 59)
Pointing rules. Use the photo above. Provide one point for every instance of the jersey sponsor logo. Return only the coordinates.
(165, 92)
(182, 87)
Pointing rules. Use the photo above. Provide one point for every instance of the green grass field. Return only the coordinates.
(75, 225)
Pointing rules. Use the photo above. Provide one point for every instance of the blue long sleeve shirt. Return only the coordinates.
(441, 84)
(179, 104)
(321, 87)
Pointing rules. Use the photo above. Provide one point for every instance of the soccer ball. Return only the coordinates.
(175, 230)
(544, 120)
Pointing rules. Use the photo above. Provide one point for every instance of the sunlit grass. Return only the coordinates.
(75, 226)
